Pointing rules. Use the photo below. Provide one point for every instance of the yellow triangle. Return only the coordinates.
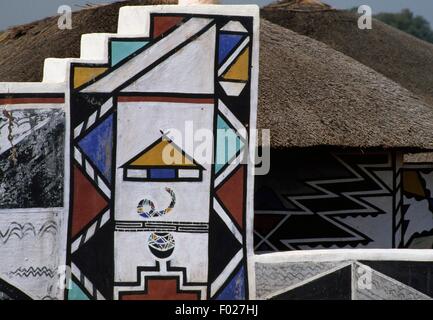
(412, 184)
(83, 75)
(239, 70)
(155, 156)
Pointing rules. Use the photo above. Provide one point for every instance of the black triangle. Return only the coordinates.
(223, 246)
(9, 292)
(311, 227)
(333, 286)
(239, 106)
(264, 248)
(265, 223)
(95, 259)
(415, 274)
(266, 199)
(83, 105)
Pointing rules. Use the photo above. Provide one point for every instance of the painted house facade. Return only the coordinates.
(331, 219)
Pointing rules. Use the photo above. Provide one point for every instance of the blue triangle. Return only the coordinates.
(235, 289)
(98, 146)
(227, 42)
(122, 49)
(224, 151)
(75, 293)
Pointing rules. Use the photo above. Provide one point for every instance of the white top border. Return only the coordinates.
(346, 254)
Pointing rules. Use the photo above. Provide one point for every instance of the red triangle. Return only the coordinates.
(162, 24)
(231, 194)
(88, 202)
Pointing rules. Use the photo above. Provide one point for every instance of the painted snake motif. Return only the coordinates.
(153, 213)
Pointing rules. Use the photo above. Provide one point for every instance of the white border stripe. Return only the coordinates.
(78, 156)
(240, 129)
(91, 120)
(78, 129)
(346, 254)
(106, 106)
(227, 220)
(103, 187)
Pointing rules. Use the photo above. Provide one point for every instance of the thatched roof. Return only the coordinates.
(300, 5)
(397, 55)
(310, 94)
(314, 95)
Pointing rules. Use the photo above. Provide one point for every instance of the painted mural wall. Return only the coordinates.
(314, 200)
(324, 200)
(32, 215)
(418, 205)
(91, 209)
(85, 182)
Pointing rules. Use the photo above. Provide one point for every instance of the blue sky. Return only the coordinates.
(15, 12)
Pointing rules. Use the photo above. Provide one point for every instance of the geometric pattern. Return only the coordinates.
(227, 42)
(9, 292)
(233, 58)
(339, 205)
(227, 224)
(230, 195)
(229, 143)
(277, 277)
(335, 285)
(83, 75)
(235, 290)
(153, 164)
(161, 282)
(96, 145)
(75, 293)
(161, 289)
(98, 94)
(344, 280)
(121, 49)
(383, 288)
(418, 206)
(90, 216)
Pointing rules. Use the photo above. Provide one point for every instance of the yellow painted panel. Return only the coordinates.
(239, 70)
(83, 75)
(412, 183)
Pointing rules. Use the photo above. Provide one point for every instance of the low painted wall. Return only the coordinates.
(363, 274)
(371, 203)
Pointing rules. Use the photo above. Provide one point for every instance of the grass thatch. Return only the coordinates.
(397, 55)
(310, 94)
